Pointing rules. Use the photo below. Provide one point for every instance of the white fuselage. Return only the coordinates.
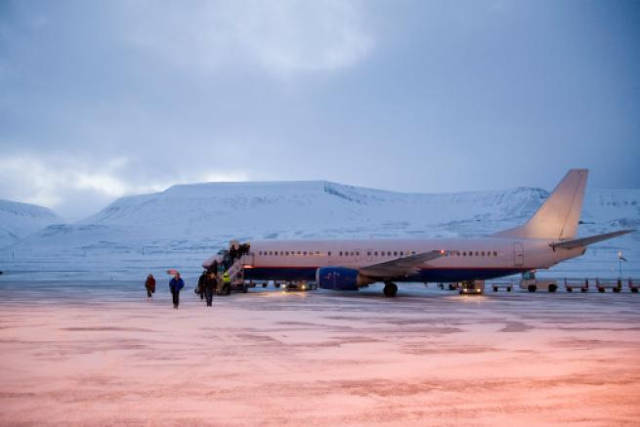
(465, 259)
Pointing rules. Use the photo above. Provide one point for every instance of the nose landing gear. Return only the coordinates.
(390, 289)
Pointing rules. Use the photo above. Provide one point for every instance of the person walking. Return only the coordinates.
(150, 285)
(175, 285)
(210, 286)
(201, 282)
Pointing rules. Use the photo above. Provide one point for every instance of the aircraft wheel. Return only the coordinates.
(616, 290)
(553, 288)
(569, 289)
(264, 285)
(390, 290)
(509, 289)
(531, 288)
(495, 289)
(601, 290)
(634, 290)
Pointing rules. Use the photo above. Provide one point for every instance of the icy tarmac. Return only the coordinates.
(100, 353)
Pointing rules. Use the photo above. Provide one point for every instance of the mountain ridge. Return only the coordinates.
(18, 220)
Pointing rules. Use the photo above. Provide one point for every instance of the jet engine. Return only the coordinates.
(340, 279)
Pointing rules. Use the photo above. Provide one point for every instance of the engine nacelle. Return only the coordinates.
(340, 279)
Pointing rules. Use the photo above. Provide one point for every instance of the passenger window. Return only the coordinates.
(395, 253)
(464, 254)
(495, 253)
(375, 253)
(482, 253)
(413, 252)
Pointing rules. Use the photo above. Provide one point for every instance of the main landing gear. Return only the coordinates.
(390, 289)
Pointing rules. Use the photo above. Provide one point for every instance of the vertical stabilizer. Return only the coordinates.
(558, 217)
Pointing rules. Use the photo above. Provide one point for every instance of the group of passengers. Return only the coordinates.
(215, 279)
(235, 252)
(175, 286)
(206, 287)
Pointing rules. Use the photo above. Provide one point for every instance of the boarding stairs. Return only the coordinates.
(236, 271)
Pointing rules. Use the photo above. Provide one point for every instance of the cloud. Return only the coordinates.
(281, 37)
(76, 188)
(230, 176)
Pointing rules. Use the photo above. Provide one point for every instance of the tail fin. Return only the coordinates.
(558, 217)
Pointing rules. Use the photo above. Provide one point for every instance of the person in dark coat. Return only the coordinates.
(201, 281)
(210, 286)
(244, 249)
(150, 285)
(175, 285)
(233, 253)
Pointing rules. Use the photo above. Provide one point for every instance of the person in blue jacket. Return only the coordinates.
(176, 284)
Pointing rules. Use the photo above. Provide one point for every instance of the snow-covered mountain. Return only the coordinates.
(18, 220)
(305, 209)
(186, 223)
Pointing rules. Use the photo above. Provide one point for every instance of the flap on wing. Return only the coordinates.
(400, 266)
(576, 243)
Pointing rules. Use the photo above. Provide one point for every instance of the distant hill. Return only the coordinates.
(18, 220)
(306, 209)
(186, 223)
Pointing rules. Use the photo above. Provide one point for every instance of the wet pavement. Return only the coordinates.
(101, 353)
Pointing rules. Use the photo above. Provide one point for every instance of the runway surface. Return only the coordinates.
(101, 353)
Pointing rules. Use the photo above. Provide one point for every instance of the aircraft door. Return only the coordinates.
(249, 259)
(518, 254)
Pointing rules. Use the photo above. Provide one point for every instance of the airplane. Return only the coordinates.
(546, 239)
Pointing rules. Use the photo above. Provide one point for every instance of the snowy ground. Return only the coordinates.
(100, 353)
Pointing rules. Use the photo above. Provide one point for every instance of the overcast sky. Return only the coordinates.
(104, 99)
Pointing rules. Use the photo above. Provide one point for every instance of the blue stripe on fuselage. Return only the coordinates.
(425, 275)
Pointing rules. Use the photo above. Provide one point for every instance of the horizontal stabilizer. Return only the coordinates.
(400, 266)
(585, 241)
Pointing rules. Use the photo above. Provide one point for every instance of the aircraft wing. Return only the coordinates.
(400, 266)
(575, 243)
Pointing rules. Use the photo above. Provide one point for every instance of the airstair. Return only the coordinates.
(235, 271)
